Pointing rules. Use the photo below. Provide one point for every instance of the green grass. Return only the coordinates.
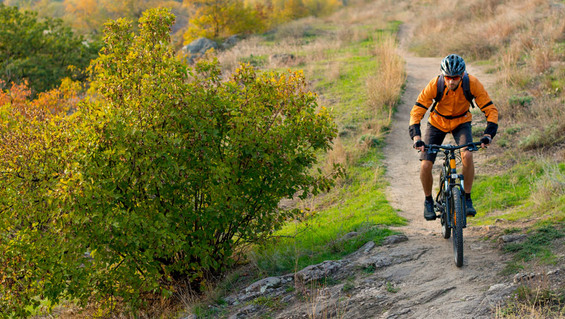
(512, 188)
(529, 189)
(349, 90)
(358, 204)
(507, 190)
(356, 63)
(536, 247)
(361, 207)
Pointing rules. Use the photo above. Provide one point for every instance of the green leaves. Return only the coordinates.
(160, 176)
(41, 51)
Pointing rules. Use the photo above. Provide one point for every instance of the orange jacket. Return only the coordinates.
(452, 104)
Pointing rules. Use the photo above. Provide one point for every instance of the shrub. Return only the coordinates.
(37, 161)
(164, 171)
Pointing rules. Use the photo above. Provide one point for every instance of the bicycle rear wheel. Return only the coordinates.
(443, 209)
(445, 230)
(457, 211)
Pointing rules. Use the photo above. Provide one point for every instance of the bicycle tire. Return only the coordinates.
(445, 229)
(458, 221)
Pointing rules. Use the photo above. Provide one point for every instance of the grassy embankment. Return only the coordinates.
(356, 73)
(350, 61)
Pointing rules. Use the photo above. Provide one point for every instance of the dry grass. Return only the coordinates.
(384, 88)
(511, 75)
(323, 305)
(286, 44)
(523, 40)
(550, 186)
(337, 155)
(534, 298)
(447, 27)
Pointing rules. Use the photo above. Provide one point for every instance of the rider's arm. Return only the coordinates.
(425, 100)
(418, 143)
(484, 102)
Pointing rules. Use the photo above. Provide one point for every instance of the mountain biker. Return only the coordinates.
(450, 115)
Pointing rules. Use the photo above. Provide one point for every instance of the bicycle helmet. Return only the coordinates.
(452, 65)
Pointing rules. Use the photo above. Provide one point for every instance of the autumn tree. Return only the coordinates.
(221, 18)
(43, 52)
(89, 16)
(86, 16)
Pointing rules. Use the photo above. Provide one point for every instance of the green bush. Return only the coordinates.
(43, 52)
(168, 169)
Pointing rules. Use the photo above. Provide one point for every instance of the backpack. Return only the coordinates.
(466, 91)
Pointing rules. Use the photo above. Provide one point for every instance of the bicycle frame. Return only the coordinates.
(449, 178)
(450, 201)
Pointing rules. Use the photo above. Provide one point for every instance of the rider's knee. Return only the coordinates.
(467, 157)
(427, 166)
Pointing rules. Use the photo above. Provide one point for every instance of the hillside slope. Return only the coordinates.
(412, 276)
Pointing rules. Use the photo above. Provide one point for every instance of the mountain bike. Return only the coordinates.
(450, 199)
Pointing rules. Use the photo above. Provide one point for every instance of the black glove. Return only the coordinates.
(419, 143)
(486, 140)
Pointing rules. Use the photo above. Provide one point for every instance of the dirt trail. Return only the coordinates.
(412, 276)
(432, 286)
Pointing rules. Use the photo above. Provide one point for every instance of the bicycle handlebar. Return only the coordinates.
(433, 148)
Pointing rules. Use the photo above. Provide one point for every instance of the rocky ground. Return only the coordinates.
(412, 275)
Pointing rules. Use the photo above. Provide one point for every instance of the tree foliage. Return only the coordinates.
(221, 18)
(89, 16)
(41, 52)
(159, 176)
(36, 160)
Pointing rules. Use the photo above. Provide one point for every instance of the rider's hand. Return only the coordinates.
(419, 145)
(485, 141)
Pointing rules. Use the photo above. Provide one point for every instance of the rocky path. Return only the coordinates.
(432, 286)
(412, 275)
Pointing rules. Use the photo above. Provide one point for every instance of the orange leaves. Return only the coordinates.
(46, 105)
(27, 127)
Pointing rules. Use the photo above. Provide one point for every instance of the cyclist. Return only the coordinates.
(450, 115)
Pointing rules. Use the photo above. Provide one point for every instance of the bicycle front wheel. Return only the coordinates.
(458, 217)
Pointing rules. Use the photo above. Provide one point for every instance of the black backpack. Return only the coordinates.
(466, 91)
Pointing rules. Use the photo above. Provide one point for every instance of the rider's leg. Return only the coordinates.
(468, 170)
(463, 135)
(432, 135)
(426, 176)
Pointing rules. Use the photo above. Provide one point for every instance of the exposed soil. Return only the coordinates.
(413, 278)
(447, 291)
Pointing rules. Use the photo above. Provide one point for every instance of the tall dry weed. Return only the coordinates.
(551, 185)
(541, 57)
(333, 71)
(536, 297)
(384, 88)
(510, 74)
(337, 155)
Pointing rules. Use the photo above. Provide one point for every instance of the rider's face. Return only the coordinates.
(452, 82)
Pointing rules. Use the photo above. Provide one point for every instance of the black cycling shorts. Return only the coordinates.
(462, 135)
